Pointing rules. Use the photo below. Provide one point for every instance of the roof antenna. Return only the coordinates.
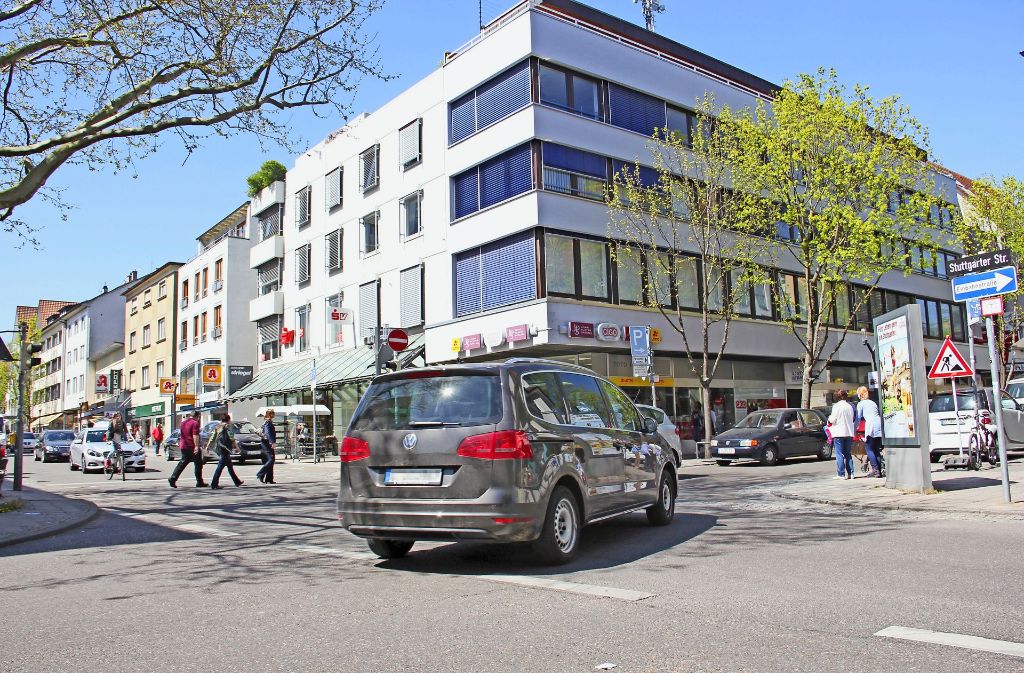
(650, 8)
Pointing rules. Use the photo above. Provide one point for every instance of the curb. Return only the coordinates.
(91, 512)
(1010, 516)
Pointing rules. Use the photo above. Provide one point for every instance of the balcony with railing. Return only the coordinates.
(574, 184)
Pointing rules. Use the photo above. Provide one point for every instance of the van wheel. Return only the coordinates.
(390, 548)
(724, 463)
(661, 512)
(560, 536)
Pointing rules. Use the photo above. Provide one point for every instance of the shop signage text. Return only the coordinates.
(102, 384)
(581, 330)
(607, 331)
(471, 342)
(238, 376)
(517, 333)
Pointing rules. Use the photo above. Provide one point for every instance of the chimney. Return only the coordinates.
(132, 277)
(105, 289)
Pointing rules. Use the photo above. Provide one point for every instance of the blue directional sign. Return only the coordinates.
(985, 284)
(973, 311)
(640, 341)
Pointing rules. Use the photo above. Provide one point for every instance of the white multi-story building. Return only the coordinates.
(216, 287)
(470, 210)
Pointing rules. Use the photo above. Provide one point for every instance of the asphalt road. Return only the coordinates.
(261, 579)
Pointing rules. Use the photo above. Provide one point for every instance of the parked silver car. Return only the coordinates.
(524, 450)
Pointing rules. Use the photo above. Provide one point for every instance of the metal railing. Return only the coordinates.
(574, 184)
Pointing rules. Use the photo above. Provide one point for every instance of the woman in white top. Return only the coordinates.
(867, 411)
(841, 426)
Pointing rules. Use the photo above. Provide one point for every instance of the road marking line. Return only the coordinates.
(569, 587)
(1006, 647)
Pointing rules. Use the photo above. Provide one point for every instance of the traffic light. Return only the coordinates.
(32, 350)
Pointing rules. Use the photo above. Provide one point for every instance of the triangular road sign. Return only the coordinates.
(949, 363)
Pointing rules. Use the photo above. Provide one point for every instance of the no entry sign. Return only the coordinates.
(398, 340)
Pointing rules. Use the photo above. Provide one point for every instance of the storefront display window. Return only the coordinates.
(559, 267)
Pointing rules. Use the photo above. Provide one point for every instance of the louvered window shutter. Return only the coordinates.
(411, 296)
(503, 95)
(333, 253)
(369, 173)
(635, 111)
(302, 208)
(270, 329)
(409, 149)
(465, 194)
(509, 271)
(462, 118)
(506, 176)
(269, 273)
(368, 309)
(575, 161)
(332, 188)
(270, 222)
(302, 264)
(467, 283)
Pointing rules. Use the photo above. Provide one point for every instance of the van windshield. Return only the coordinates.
(428, 399)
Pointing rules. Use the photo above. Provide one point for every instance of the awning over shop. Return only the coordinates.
(147, 410)
(354, 364)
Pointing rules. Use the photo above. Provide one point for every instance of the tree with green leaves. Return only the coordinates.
(269, 173)
(699, 249)
(99, 83)
(846, 177)
(993, 219)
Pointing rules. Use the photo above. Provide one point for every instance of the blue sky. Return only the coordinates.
(958, 69)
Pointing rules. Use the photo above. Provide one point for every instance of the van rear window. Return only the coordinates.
(423, 400)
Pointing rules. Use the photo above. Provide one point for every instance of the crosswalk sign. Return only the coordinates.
(949, 363)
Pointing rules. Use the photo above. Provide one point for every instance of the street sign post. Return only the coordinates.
(950, 364)
(986, 261)
(985, 284)
(991, 306)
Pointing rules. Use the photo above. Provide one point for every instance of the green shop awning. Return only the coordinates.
(147, 410)
(354, 364)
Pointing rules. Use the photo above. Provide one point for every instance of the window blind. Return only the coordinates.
(493, 100)
(369, 168)
(576, 161)
(332, 188)
(635, 111)
(409, 148)
(302, 256)
(332, 258)
(302, 207)
(497, 274)
(411, 296)
(368, 309)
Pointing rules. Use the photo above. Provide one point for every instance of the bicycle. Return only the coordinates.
(113, 464)
(982, 443)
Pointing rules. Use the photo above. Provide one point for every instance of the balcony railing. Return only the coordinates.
(183, 345)
(218, 285)
(574, 184)
(184, 302)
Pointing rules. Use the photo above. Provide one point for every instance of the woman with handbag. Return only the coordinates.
(869, 425)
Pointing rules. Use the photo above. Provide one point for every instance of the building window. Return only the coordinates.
(410, 144)
(184, 335)
(333, 189)
(160, 370)
(270, 338)
(195, 330)
(302, 259)
(145, 377)
(560, 265)
(368, 227)
(131, 380)
(147, 299)
(688, 283)
(184, 293)
(369, 308)
(574, 172)
(496, 180)
(196, 288)
(269, 277)
(302, 328)
(369, 169)
(409, 210)
(202, 327)
(218, 270)
(269, 222)
(302, 208)
(497, 274)
(146, 336)
(411, 296)
(132, 342)
(333, 253)
(335, 335)
(569, 91)
(629, 277)
(635, 111)
(218, 321)
(206, 280)
(135, 309)
(161, 290)
(496, 99)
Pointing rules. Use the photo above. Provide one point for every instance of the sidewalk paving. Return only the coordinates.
(43, 514)
(957, 492)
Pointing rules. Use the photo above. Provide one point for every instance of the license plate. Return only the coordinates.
(949, 421)
(408, 477)
(726, 451)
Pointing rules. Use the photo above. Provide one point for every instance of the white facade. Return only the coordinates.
(76, 357)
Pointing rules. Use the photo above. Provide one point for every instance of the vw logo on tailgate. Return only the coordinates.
(409, 442)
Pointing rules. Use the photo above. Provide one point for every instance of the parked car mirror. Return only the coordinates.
(650, 425)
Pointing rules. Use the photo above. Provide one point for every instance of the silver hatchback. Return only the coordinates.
(521, 451)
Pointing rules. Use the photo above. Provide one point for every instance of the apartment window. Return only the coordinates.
(218, 324)
(160, 370)
(574, 172)
(332, 254)
(161, 290)
(147, 336)
(302, 208)
(302, 259)
(269, 222)
(629, 282)
(218, 270)
(81, 383)
(682, 124)
(202, 326)
(410, 144)
(493, 181)
(410, 284)
(184, 334)
(270, 337)
(368, 226)
(196, 287)
(147, 299)
(206, 280)
(334, 330)
(132, 342)
(135, 309)
(688, 283)
(333, 190)
(131, 380)
(409, 210)
(302, 328)
(497, 274)
(145, 377)
(184, 293)
(570, 91)
(369, 308)
(195, 330)
(496, 99)
(369, 169)
(635, 111)
(269, 277)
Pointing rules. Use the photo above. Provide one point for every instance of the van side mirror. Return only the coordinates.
(650, 425)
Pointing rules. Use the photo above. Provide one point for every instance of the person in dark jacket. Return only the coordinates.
(225, 442)
(267, 443)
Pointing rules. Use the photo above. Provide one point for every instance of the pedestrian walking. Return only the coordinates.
(158, 437)
(867, 413)
(268, 442)
(224, 441)
(190, 451)
(841, 426)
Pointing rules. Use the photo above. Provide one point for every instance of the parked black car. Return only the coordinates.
(247, 438)
(172, 446)
(771, 435)
(54, 445)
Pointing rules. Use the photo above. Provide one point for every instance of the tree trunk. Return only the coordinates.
(806, 383)
(708, 429)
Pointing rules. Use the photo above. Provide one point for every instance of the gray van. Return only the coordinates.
(525, 450)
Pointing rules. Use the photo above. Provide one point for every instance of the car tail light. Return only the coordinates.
(512, 519)
(353, 448)
(503, 445)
